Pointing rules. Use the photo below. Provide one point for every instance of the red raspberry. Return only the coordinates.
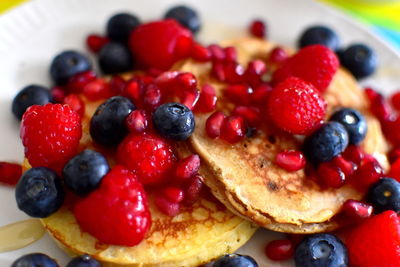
(117, 212)
(149, 156)
(160, 44)
(50, 134)
(375, 242)
(296, 106)
(316, 64)
(10, 173)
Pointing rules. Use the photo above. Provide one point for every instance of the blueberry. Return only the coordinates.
(354, 122)
(115, 58)
(319, 35)
(107, 126)
(84, 172)
(235, 260)
(83, 261)
(360, 60)
(35, 260)
(39, 192)
(174, 121)
(67, 64)
(120, 26)
(29, 96)
(321, 250)
(186, 16)
(385, 195)
(327, 142)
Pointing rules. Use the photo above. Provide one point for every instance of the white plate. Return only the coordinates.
(33, 33)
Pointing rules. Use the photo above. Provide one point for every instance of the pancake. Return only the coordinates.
(244, 177)
(197, 235)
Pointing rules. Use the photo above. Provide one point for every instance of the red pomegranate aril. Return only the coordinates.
(76, 103)
(252, 115)
(214, 124)
(230, 54)
(208, 99)
(233, 129)
(97, 89)
(260, 94)
(356, 210)
(290, 160)
(186, 168)
(166, 206)
(277, 56)
(347, 167)
(395, 100)
(185, 80)
(354, 154)
(77, 83)
(395, 170)
(218, 71)
(151, 97)
(58, 94)
(330, 175)
(190, 97)
(394, 154)
(96, 42)
(173, 194)
(371, 94)
(239, 93)
(192, 189)
(380, 108)
(145, 79)
(391, 130)
(117, 84)
(234, 72)
(200, 53)
(254, 72)
(257, 28)
(279, 250)
(137, 121)
(134, 90)
(10, 173)
(217, 52)
(367, 174)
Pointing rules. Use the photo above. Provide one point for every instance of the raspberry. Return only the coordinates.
(50, 135)
(257, 28)
(117, 212)
(315, 64)
(160, 44)
(375, 242)
(149, 156)
(296, 106)
(10, 173)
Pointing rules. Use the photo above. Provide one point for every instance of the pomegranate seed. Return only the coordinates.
(330, 175)
(97, 89)
(391, 130)
(145, 79)
(76, 103)
(218, 70)
(347, 167)
(233, 129)
(200, 53)
(395, 170)
(290, 160)
(193, 189)
(134, 90)
(356, 210)
(380, 108)
(371, 94)
(239, 93)
(279, 250)
(234, 72)
(187, 167)
(255, 70)
(394, 154)
(77, 83)
(295, 238)
(151, 97)
(217, 52)
(173, 194)
(117, 84)
(189, 98)
(252, 115)
(354, 154)
(230, 54)
(208, 99)
(166, 206)
(214, 124)
(395, 100)
(10, 173)
(166, 79)
(137, 121)
(367, 174)
(96, 42)
(186, 80)
(277, 56)
(154, 72)
(260, 94)
(257, 28)
(58, 94)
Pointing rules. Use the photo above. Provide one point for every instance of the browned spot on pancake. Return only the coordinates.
(100, 246)
(271, 139)
(272, 186)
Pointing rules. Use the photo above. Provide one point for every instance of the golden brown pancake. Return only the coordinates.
(244, 177)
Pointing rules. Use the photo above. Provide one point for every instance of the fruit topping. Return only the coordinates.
(174, 121)
(117, 212)
(39, 192)
(192, 189)
(385, 195)
(166, 206)
(368, 172)
(330, 175)
(279, 250)
(29, 96)
(277, 56)
(173, 194)
(186, 16)
(187, 167)
(296, 106)
(67, 64)
(34, 259)
(83, 261)
(319, 35)
(115, 58)
(97, 89)
(150, 157)
(208, 99)
(239, 93)
(354, 122)
(236, 260)
(76, 103)
(321, 250)
(10, 173)
(50, 134)
(356, 210)
(120, 26)
(375, 242)
(214, 124)
(233, 129)
(315, 64)
(325, 143)
(137, 121)
(360, 60)
(257, 28)
(96, 42)
(290, 160)
(107, 126)
(200, 53)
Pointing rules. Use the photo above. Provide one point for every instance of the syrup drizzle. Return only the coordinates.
(20, 234)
